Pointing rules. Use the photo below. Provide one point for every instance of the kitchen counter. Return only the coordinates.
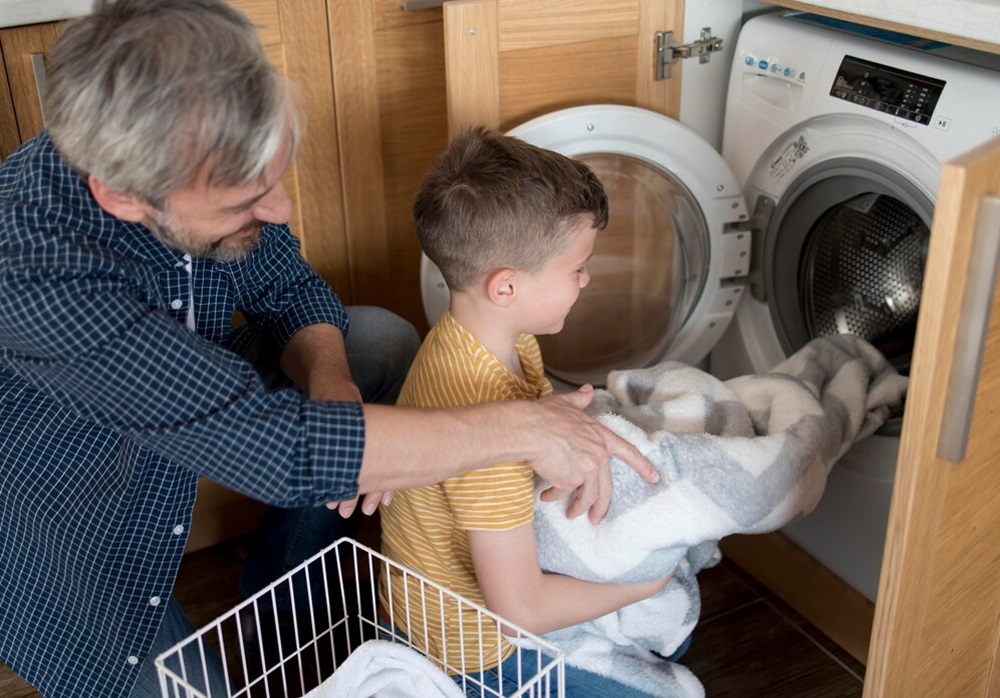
(975, 20)
(17, 12)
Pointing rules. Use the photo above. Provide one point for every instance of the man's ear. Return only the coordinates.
(501, 286)
(119, 204)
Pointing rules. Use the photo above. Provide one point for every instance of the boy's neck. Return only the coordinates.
(491, 327)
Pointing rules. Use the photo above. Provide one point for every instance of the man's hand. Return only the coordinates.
(574, 455)
(368, 505)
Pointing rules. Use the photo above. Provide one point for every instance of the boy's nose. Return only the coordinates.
(584, 278)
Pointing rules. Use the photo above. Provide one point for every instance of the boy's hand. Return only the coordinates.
(575, 438)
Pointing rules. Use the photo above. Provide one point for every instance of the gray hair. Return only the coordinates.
(145, 94)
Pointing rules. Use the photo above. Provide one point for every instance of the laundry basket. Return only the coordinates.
(265, 649)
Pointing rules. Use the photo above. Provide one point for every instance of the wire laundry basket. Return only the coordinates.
(288, 639)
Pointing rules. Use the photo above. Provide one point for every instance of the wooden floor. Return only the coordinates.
(747, 644)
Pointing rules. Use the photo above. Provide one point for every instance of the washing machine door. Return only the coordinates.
(669, 269)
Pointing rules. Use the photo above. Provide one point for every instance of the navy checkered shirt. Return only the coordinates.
(110, 409)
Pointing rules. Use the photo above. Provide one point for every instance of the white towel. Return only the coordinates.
(382, 669)
(745, 456)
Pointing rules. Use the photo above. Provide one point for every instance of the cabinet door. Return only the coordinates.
(509, 61)
(937, 620)
(9, 138)
(25, 50)
(295, 36)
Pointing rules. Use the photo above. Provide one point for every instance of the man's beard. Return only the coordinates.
(166, 229)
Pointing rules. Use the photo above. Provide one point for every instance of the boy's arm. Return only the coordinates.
(513, 585)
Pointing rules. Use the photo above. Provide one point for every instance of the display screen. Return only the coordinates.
(888, 90)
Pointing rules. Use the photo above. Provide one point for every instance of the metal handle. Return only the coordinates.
(973, 321)
(38, 68)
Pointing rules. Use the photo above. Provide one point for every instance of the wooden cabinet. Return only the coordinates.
(24, 50)
(937, 620)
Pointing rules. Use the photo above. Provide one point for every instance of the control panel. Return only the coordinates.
(889, 90)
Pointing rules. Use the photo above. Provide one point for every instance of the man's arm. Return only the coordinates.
(410, 447)
(315, 358)
(513, 586)
(562, 444)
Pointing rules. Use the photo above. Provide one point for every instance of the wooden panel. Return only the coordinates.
(554, 22)
(414, 133)
(937, 615)
(9, 137)
(892, 26)
(219, 514)
(472, 64)
(552, 55)
(824, 599)
(316, 176)
(390, 13)
(264, 14)
(352, 39)
(18, 45)
(663, 96)
(593, 72)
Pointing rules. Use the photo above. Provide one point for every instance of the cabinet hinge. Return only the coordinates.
(668, 52)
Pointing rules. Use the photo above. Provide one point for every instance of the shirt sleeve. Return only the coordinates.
(279, 292)
(74, 325)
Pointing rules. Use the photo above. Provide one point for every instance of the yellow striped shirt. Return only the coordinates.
(425, 528)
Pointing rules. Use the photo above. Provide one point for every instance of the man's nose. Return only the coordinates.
(273, 207)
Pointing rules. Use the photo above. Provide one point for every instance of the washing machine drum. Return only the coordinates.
(864, 269)
(859, 244)
(662, 271)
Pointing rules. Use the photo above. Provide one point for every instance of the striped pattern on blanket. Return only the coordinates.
(743, 456)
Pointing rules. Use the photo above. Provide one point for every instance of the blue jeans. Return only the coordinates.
(174, 628)
(579, 682)
(380, 348)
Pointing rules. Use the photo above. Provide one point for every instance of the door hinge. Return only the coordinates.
(668, 52)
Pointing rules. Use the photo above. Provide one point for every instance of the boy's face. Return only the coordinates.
(548, 294)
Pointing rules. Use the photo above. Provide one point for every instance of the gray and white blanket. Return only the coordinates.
(743, 456)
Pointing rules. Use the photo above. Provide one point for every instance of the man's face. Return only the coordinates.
(222, 223)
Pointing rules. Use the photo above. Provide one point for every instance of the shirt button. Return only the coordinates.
(133, 660)
(176, 304)
(155, 601)
(178, 529)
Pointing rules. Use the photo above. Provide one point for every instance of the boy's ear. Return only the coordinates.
(501, 286)
(118, 203)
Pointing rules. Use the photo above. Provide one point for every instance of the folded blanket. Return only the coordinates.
(386, 670)
(744, 456)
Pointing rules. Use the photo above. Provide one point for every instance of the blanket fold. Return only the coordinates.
(747, 455)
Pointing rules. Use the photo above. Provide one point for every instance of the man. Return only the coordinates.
(130, 231)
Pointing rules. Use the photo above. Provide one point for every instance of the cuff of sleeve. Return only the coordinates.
(324, 307)
(336, 441)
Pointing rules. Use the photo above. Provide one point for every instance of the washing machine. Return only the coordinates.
(837, 133)
(813, 220)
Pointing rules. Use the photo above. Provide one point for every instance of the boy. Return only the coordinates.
(511, 226)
